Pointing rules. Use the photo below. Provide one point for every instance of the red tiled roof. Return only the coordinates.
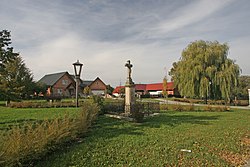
(148, 87)
(117, 89)
(159, 86)
(140, 87)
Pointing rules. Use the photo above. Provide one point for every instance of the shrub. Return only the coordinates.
(164, 107)
(32, 140)
(216, 108)
(41, 104)
(114, 107)
(99, 101)
(178, 107)
(189, 107)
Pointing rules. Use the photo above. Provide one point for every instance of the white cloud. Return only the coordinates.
(51, 35)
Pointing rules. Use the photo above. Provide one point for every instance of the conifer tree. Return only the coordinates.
(16, 80)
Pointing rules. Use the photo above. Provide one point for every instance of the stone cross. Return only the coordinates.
(129, 91)
(129, 66)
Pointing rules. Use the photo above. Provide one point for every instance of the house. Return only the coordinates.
(63, 85)
(119, 90)
(97, 87)
(156, 89)
(151, 89)
(59, 84)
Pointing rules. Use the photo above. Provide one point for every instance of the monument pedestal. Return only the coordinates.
(129, 91)
(129, 98)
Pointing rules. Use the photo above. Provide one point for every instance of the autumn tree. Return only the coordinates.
(16, 80)
(204, 70)
(87, 91)
(164, 86)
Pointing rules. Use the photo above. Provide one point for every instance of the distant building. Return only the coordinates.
(63, 85)
(97, 87)
(149, 89)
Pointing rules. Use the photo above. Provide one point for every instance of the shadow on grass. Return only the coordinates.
(110, 127)
(175, 120)
(106, 128)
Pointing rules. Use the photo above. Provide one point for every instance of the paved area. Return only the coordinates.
(183, 103)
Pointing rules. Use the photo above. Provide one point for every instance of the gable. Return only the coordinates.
(97, 84)
(52, 79)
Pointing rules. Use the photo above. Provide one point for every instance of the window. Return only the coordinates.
(59, 91)
(65, 82)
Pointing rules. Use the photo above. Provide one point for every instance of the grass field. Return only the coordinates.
(214, 138)
(15, 116)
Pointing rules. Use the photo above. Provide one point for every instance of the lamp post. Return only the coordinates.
(77, 68)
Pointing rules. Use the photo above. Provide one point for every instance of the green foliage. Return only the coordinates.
(32, 140)
(114, 107)
(42, 104)
(205, 71)
(87, 91)
(158, 141)
(165, 84)
(109, 89)
(40, 88)
(100, 103)
(16, 80)
(241, 91)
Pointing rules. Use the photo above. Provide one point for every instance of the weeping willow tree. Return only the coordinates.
(204, 70)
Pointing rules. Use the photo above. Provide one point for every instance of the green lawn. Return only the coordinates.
(213, 137)
(14, 116)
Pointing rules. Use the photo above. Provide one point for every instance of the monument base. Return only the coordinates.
(129, 98)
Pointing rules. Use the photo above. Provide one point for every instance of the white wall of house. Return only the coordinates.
(155, 92)
(98, 92)
(116, 94)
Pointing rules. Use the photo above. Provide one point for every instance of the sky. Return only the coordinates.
(103, 34)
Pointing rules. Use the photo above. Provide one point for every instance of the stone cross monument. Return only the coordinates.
(129, 90)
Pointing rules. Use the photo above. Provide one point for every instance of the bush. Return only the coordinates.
(216, 108)
(41, 104)
(33, 140)
(189, 107)
(164, 107)
(99, 101)
(178, 107)
(114, 107)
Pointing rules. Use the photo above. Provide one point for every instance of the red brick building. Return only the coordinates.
(63, 85)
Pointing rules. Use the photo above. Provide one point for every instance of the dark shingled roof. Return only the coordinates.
(51, 79)
(85, 83)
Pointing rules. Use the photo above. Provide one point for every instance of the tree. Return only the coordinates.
(205, 71)
(16, 80)
(109, 89)
(40, 88)
(86, 91)
(165, 86)
(241, 91)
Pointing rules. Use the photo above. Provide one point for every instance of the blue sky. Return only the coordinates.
(104, 34)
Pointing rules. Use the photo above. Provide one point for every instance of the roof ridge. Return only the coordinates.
(57, 73)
